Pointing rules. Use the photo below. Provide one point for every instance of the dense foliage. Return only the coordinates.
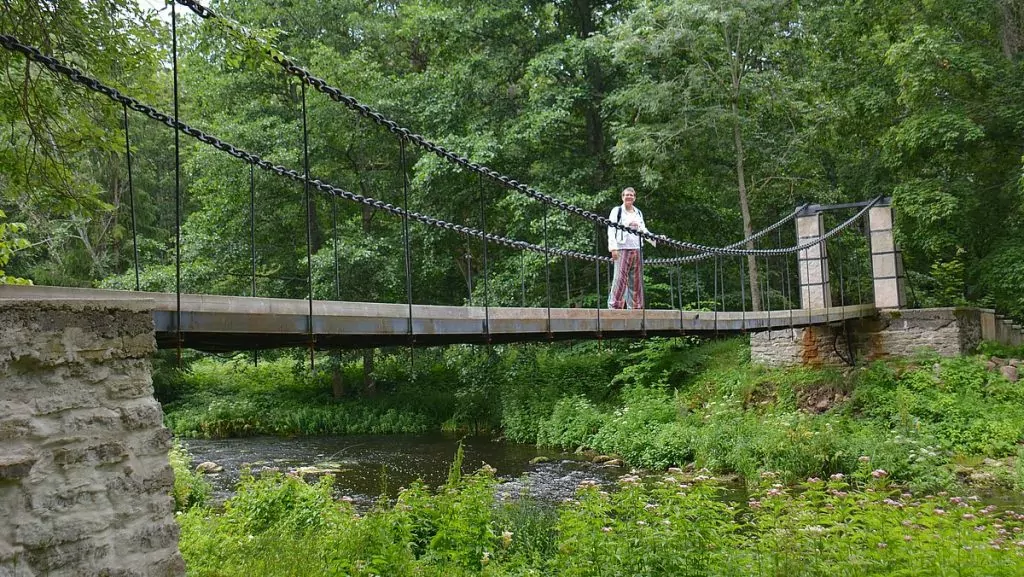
(667, 402)
(723, 114)
(675, 525)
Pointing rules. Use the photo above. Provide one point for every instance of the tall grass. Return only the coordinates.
(852, 526)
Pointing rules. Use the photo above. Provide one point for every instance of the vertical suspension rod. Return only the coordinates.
(177, 184)
(597, 276)
(547, 270)
(131, 198)
(483, 228)
(309, 228)
(405, 239)
(252, 243)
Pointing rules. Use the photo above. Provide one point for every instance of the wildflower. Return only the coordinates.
(642, 523)
(838, 477)
(864, 459)
(754, 504)
(940, 511)
(813, 480)
(506, 538)
(979, 528)
(767, 475)
(879, 473)
(907, 538)
(815, 529)
(883, 545)
(486, 558)
(956, 500)
(606, 529)
(968, 516)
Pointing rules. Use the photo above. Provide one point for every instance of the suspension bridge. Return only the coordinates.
(798, 284)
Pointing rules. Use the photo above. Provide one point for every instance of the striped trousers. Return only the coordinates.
(628, 282)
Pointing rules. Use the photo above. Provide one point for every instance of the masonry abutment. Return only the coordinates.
(85, 481)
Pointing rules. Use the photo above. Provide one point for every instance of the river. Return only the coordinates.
(371, 465)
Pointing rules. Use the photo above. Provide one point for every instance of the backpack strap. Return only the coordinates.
(618, 220)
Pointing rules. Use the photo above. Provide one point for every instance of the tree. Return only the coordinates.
(699, 67)
(10, 242)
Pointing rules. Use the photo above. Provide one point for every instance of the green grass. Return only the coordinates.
(846, 525)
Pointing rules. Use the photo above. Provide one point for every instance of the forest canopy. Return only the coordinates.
(723, 114)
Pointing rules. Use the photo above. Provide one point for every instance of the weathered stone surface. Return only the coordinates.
(144, 415)
(16, 466)
(1010, 372)
(84, 476)
(103, 453)
(903, 333)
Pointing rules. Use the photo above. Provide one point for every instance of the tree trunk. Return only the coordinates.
(594, 123)
(337, 382)
(369, 383)
(748, 229)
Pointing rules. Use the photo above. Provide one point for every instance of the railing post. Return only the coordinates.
(812, 262)
(886, 260)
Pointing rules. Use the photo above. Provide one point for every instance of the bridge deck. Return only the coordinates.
(228, 323)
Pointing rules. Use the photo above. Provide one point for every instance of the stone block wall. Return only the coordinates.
(85, 480)
(946, 331)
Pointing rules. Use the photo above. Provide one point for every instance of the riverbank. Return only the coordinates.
(676, 524)
(933, 424)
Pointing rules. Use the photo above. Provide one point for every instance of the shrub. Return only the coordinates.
(190, 488)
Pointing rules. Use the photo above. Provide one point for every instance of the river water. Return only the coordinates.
(372, 465)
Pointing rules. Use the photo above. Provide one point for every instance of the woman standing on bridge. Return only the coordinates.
(627, 290)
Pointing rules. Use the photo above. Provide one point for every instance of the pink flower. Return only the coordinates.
(838, 477)
(879, 473)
